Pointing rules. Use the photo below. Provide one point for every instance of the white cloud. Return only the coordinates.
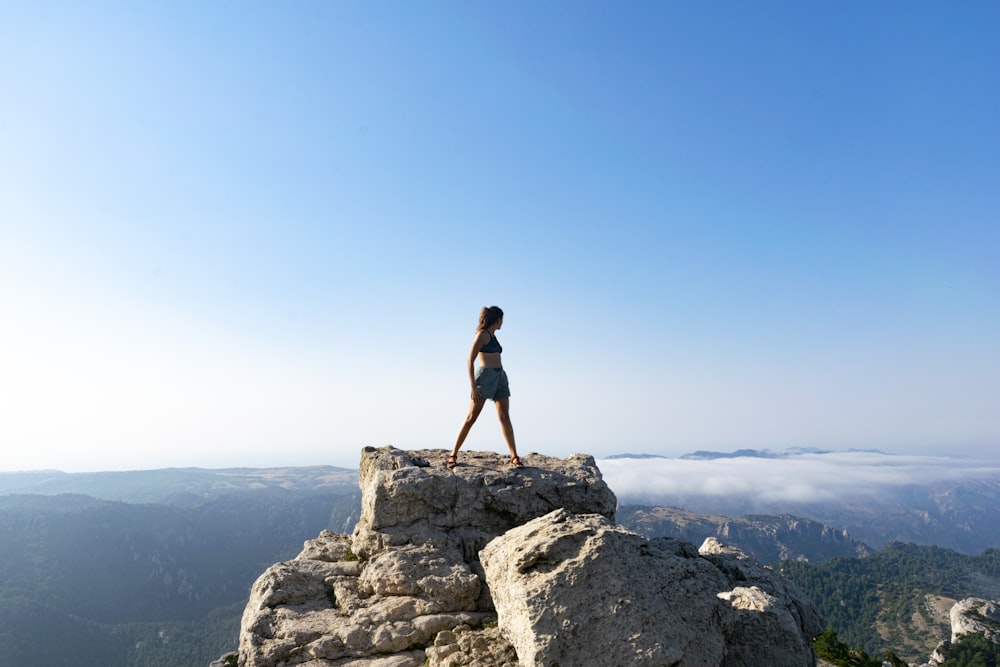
(811, 477)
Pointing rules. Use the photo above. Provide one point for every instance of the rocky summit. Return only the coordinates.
(484, 564)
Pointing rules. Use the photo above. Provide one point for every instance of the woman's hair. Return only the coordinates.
(488, 316)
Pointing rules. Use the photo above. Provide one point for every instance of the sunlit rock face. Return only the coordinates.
(969, 616)
(487, 565)
(973, 615)
(579, 590)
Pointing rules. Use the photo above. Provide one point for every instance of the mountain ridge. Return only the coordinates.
(767, 538)
(180, 486)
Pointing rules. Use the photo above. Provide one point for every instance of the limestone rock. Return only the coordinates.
(412, 498)
(558, 578)
(409, 587)
(937, 657)
(968, 616)
(785, 614)
(410, 573)
(465, 647)
(973, 615)
(322, 613)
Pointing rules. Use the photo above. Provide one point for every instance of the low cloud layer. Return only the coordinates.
(801, 478)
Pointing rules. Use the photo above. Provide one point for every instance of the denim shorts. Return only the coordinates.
(492, 383)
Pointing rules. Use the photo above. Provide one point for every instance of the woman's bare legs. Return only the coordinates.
(503, 412)
(474, 409)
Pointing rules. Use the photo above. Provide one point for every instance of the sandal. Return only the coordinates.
(451, 462)
(515, 462)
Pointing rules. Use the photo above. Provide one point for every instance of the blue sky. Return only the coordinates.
(261, 233)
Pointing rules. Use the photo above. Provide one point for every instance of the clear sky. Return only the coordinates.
(248, 233)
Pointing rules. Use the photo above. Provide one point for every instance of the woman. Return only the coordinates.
(490, 381)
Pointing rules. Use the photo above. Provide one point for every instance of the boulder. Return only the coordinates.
(580, 590)
(785, 623)
(973, 615)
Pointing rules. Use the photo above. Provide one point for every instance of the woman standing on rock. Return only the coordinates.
(489, 381)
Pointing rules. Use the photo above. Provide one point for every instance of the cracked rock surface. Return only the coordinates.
(407, 589)
(483, 564)
(580, 590)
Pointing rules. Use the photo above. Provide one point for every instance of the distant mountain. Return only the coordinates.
(877, 497)
(94, 582)
(739, 453)
(181, 486)
(963, 515)
(766, 538)
(709, 455)
(702, 455)
(635, 456)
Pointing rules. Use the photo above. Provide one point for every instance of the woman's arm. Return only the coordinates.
(482, 337)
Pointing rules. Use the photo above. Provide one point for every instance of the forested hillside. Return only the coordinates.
(765, 538)
(959, 514)
(93, 583)
(899, 597)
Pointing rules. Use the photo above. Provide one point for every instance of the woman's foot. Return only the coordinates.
(452, 461)
(516, 462)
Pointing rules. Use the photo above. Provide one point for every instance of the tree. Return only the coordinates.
(972, 650)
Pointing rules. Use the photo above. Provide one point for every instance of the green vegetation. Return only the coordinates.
(887, 594)
(972, 651)
(978, 616)
(92, 583)
(830, 648)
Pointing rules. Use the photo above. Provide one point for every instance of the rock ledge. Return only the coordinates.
(487, 565)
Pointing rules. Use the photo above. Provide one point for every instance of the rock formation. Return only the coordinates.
(969, 616)
(973, 615)
(492, 566)
(661, 602)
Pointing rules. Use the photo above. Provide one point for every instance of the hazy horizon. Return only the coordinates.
(258, 234)
(805, 477)
(782, 473)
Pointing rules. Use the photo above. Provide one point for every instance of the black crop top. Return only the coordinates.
(493, 346)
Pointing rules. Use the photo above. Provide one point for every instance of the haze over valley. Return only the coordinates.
(183, 545)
